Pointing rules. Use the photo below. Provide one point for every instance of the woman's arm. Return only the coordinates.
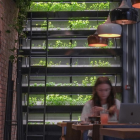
(96, 110)
(86, 112)
(113, 109)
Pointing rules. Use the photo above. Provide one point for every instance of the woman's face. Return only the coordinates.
(103, 91)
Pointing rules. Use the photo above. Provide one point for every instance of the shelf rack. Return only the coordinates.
(43, 131)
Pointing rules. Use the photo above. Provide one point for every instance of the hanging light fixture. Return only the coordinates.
(124, 14)
(136, 3)
(109, 30)
(96, 41)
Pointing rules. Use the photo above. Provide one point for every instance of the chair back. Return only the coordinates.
(72, 134)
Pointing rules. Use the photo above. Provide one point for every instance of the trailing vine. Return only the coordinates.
(23, 6)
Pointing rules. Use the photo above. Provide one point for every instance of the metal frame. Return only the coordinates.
(71, 71)
(9, 103)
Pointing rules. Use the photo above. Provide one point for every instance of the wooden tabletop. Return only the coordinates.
(82, 127)
(62, 124)
(123, 133)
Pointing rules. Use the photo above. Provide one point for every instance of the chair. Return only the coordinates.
(71, 134)
(96, 132)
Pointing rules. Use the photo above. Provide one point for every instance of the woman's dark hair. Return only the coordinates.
(110, 99)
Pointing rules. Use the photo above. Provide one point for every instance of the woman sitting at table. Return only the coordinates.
(103, 98)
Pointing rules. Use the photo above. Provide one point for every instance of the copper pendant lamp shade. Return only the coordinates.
(96, 41)
(124, 14)
(135, 3)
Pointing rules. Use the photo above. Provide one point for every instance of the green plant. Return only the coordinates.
(96, 26)
(77, 6)
(77, 24)
(85, 82)
(49, 64)
(40, 6)
(57, 6)
(35, 84)
(40, 85)
(110, 44)
(44, 25)
(73, 44)
(36, 26)
(91, 63)
(47, 122)
(75, 83)
(42, 101)
(100, 64)
(32, 101)
(44, 45)
(90, 81)
(58, 28)
(99, 6)
(79, 118)
(67, 63)
(17, 24)
(59, 84)
(86, 44)
(73, 6)
(30, 123)
(66, 100)
(76, 63)
(50, 84)
(59, 43)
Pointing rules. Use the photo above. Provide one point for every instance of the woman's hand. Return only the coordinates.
(112, 109)
(96, 110)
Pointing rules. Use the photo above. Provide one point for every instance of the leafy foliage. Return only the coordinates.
(23, 6)
(77, 24)
(56, 99)
(73, 6)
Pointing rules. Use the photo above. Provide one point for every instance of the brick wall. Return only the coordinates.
(8, 12)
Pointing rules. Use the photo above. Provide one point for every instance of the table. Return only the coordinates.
(94, 127)
(123, 133)
(82, 127)
(90, 127)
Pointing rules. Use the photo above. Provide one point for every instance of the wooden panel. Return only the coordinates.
(72, 134)
(82, 127)
(123, 133)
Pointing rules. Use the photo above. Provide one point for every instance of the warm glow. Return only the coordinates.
(109, 35)
(97, 45)
(137, 5)
(123, 22)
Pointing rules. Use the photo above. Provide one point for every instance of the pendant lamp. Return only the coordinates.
(124, 14)
(135, 3)
(96, 41)
(109, 30)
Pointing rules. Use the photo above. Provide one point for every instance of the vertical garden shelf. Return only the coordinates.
(58, 66)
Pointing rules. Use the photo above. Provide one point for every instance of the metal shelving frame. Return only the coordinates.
(71, 71)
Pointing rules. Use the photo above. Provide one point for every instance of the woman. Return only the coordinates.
(103, 96)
